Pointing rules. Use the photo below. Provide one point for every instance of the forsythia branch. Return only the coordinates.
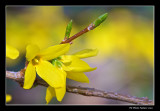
(91, 26)
(19, 77)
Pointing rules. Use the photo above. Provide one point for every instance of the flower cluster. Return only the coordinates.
(53, 66)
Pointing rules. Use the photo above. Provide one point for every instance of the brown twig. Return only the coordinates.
(18, 77)
(90, 27)
(109, 95)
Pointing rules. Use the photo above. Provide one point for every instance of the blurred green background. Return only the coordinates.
(125, 62)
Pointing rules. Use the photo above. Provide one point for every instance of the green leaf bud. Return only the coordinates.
(68, 29)
(99, 20)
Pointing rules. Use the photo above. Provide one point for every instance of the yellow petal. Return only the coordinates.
(78, 76)
(50, 93)
(8, 98)
(60, 92)
(66, 59)
(66, 68)
(30, 75)
(54, 51)
(86, 53)
(31, 51)
(50, 74)
(78, 65)
(11, 52)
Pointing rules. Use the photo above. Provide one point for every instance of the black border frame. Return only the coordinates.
(76, 107)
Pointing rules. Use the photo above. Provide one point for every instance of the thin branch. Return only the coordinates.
(90, 27)
(109, 95)
(18, 77)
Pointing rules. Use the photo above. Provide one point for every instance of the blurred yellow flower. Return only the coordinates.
(72, 67)
(40, 25)
(124, 34)
(11, 52)
(8, 98)
(38, 62)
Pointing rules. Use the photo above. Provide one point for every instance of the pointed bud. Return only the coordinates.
(68, 29)
(99, 20)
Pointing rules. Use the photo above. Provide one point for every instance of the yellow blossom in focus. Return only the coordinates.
(39, 62)
(73, 68)
(8, 98)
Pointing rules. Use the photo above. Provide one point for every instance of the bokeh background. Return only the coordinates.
(125, 62)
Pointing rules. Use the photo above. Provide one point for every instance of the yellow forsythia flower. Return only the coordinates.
(39, 62)
(11, 52)
(8, 98)
(72, 67)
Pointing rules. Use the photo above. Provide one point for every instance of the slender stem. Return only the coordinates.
(90, 27)
(93, 25)
(18, 77)
(109, 95)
